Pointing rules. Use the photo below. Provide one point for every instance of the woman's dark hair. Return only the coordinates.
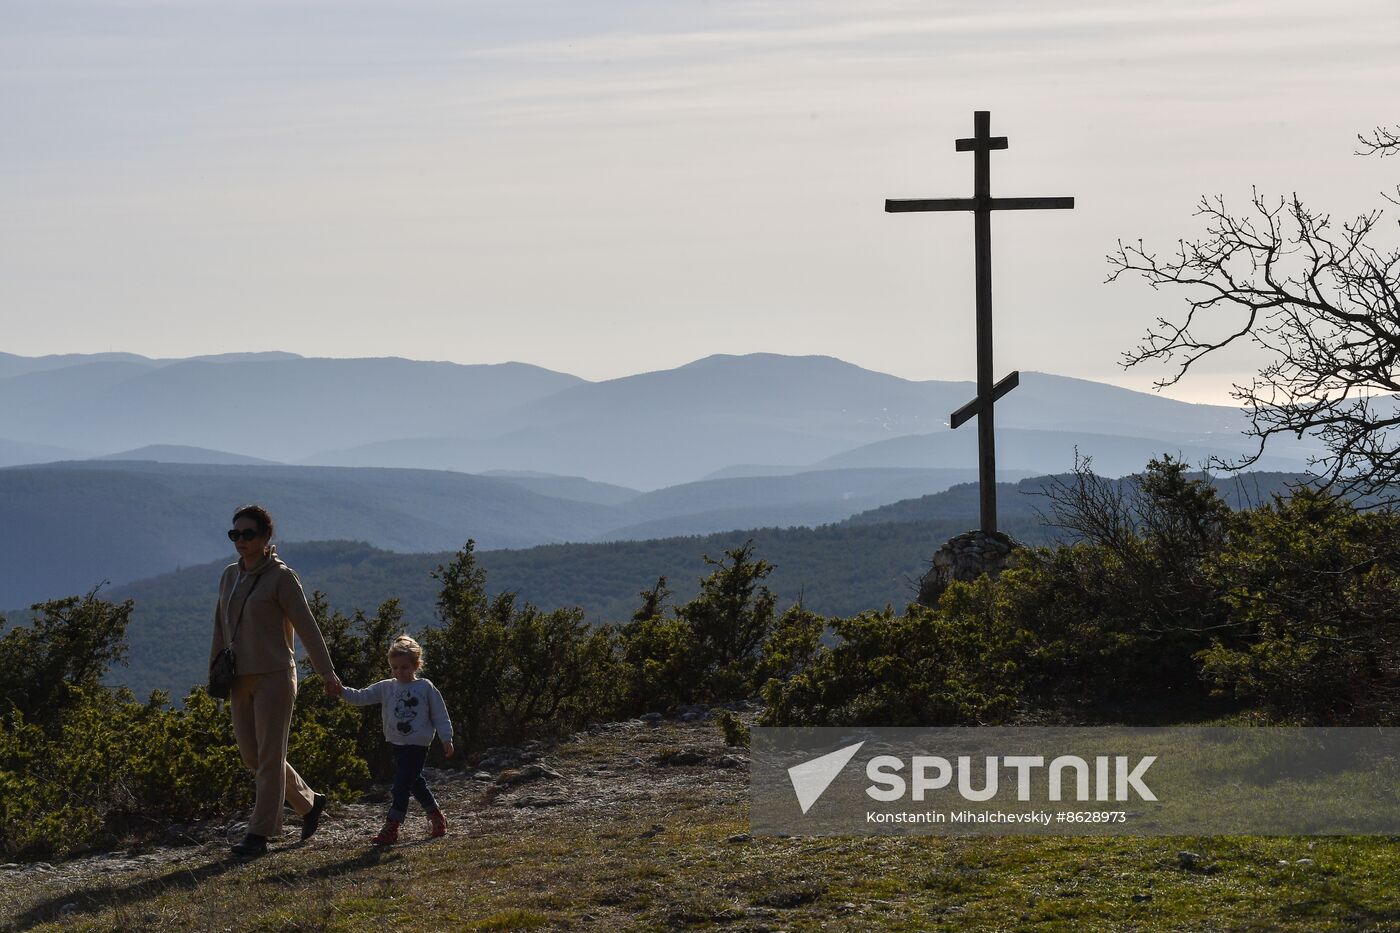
(259, 515)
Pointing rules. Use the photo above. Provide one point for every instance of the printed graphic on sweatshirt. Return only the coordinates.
(405, 711)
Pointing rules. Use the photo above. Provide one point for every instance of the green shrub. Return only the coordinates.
(736, 734)
(358, 647)
(69, 643)
(1119, 615)
(722, 645)
(919, 668)
(790, 645)
(109, 766)
(513, 672)
(81, 764)
(1313, 587)
(729, 621)
(658, 654)
(324, 744)
(37, 814)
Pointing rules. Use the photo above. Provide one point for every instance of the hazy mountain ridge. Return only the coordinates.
(600, 444)
(644, 431)
(13, 365)
(1022, 449)
(275, 409)
(121, 520)
(180, 453)
(91, 521)
(18, 453)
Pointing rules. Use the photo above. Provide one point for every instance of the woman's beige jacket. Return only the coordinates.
(261, 608)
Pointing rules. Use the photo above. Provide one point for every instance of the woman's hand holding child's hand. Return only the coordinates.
(447, 749)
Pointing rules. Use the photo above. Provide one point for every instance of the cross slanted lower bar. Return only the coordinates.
(982, 204)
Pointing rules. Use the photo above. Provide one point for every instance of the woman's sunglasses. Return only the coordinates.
(247, 534)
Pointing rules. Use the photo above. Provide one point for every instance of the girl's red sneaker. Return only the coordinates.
(389, 834)
(438, 822)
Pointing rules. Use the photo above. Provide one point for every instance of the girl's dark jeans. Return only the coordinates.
(408, 779)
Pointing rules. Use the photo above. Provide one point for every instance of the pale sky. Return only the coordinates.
(614, 186)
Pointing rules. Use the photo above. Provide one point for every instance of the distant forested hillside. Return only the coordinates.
(122, 520)
(1022, 501)
(836, 570)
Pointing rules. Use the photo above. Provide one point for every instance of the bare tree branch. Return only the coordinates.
(1323, 299)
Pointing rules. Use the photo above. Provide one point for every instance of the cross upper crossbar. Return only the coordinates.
(908, 205)
(981, 204)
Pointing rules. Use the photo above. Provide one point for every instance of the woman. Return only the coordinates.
(260, 605)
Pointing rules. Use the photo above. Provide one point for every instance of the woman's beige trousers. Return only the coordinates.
(262, 717)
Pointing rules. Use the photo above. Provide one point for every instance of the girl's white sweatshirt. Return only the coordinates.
(412, 711)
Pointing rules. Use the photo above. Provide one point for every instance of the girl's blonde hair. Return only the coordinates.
(405, 646)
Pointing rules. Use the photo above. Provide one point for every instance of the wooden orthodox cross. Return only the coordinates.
(982, 204)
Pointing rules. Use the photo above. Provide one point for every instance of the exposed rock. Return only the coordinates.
(540, 800)
(729, 761)
(600, 728)
(500, 758)
(525, 774)
(676, 757)
(651, 719)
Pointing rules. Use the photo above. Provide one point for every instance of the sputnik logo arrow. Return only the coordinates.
(811, 778)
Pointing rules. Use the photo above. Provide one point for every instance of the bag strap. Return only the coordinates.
(228, 639)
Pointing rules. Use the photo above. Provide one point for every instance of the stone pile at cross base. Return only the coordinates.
(965, 557)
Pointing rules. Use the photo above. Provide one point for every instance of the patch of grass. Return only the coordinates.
(787, 896)
(512, 920)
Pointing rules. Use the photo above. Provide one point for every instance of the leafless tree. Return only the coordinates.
(1322, 298)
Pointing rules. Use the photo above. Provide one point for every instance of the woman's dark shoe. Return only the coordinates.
(313, 817)
(251, 845)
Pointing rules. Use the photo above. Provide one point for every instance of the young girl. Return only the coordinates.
(413, 710)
